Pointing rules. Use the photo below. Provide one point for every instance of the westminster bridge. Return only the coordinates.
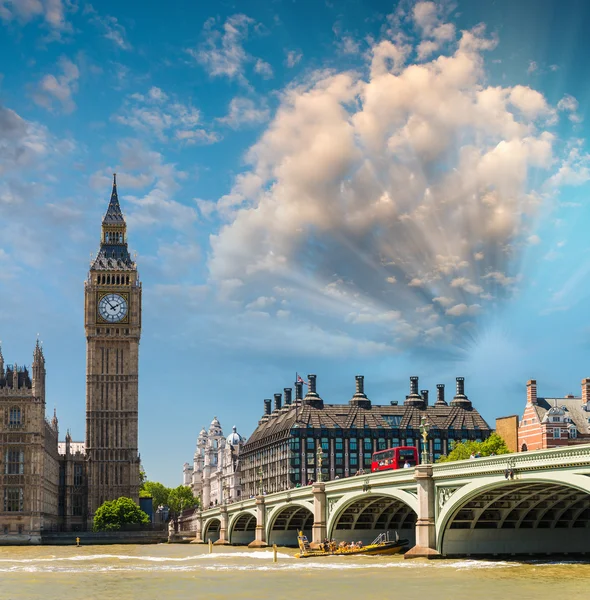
(526, 503)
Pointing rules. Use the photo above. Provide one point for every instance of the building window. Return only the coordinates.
(410, 442)
(368, 444)
(77, 505)
(325, 444)
(338, 444)
(353, 460)
(311, 459)
(339, 459)
(78, 475)
(573, 432)
(392, 420)
(395, 442)
(13, 499)
(381, 444)
(353, 444)
(437, 446)
(15, 417)
(14, 462)
(310, 443)
(368, 459)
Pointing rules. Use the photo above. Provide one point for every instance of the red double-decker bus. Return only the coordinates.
(394, 458)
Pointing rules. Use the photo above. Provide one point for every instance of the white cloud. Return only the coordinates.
(222, 53)
(414, 173)
(155, 113)
(348, 45)
(244, 111)
(293, 57)
(263, 68)
(532, 67)
(570, 105)
(51, 11)
(110, 27)
(59, 88)
(461, 310)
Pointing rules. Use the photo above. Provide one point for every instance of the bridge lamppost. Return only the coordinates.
(424, 429)
(320, 456)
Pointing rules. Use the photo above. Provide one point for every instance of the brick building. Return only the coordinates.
(282, 451)
(553, 422)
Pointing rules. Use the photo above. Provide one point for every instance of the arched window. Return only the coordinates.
(524, 448)
(14, 461)
(127, 280)
(15, 416)
(118, 280)
(108, 280)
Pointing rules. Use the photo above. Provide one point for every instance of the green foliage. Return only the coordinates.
(142, 475)
(113, 514)
(463, 450)
(181, 498)
(157, 491)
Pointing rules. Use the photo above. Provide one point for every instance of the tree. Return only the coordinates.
(463, 450)
(180, 498)
(156, 490)
(112, 515)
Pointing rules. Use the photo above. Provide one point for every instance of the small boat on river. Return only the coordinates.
(382, 545)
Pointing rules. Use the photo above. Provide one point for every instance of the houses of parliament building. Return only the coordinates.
(48, 485)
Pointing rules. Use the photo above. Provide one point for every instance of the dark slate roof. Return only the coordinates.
(114, 216)
(24, 380)
(574, 409)
(278, 424)
(113, 257)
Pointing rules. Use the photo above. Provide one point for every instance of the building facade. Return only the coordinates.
(46, 485)
(112, 321)
(554, 422)
(215, 474)
(29, 462)
(282, 451)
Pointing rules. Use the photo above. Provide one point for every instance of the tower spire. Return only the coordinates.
(114, 216)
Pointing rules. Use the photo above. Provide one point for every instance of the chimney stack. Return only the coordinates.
(586, 392)
(360, 398)
(298, 391)
(440, 395)
(414, 399)
(460, 386)
(531, 391)
(424, 394)
(287, 392)
(312, 398)
(267, 403)
(460, 399)
(278, 399)
(311, 386)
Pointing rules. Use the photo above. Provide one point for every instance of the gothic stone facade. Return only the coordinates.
(282, 451)
(29, 463)
(113, 329)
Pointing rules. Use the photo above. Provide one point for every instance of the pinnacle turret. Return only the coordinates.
(114, 215)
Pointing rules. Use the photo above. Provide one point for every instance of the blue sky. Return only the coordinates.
(340, 188)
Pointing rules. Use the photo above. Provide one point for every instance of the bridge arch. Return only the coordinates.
(286, 520)
(242, 527)
(211, 529)
(534, 514)
(364, 515)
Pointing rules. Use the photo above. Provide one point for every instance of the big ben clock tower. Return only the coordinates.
(112, 320)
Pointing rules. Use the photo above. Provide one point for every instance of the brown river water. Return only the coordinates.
(188, 571)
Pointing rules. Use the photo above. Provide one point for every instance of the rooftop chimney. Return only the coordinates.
(298, 391)
(278, 399)
(287, 392)
(360, 398)
(440, 395)
(460, 399)
(586, 392)
(531, 391)
(424, 394)
(312, 396)
(414, 399)
(267, 403)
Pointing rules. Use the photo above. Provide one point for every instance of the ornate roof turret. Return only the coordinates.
(1, 363)
(54, 422)
(38, 356)
(215, 428)
(234, 438)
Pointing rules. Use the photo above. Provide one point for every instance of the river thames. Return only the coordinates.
(188, 571)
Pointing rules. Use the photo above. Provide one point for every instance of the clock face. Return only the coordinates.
(112, 308)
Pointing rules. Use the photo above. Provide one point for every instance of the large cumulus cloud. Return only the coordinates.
(395, 202)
